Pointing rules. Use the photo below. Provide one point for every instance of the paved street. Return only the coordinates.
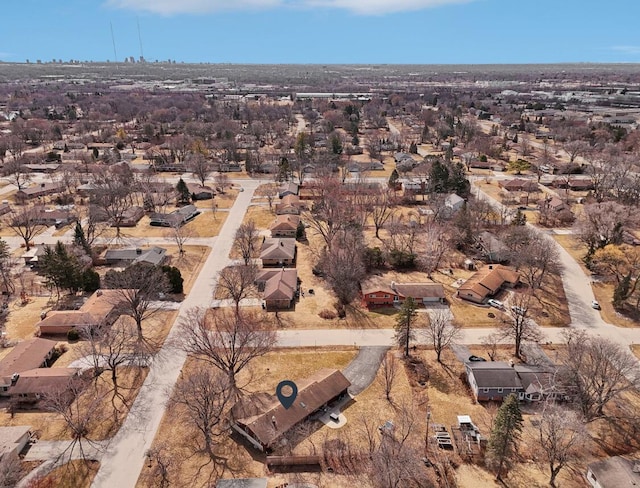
(125, 456)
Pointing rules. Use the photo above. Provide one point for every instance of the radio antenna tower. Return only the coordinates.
(113, 41)
(140, 40)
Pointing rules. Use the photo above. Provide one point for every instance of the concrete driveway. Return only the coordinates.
(363, 369)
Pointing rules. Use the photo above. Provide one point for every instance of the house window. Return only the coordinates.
(499, 390)
(373, 295)
(386, 296)
(485, 390)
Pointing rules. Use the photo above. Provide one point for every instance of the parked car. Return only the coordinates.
(595, 304)
(496, 303)
(476, 359)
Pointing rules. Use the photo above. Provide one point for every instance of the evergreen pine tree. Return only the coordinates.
(505, 434)
(621, 292)
(184, 195)
(393, 179)
(405, 323)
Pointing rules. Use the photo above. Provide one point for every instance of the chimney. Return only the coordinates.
(393, 285)
(273, 421)
(138, 250)
(42, 185)
(491, 266)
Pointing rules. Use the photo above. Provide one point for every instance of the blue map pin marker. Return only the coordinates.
(287, 401)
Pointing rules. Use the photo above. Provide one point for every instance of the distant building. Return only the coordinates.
(124, 257)
(178, 217)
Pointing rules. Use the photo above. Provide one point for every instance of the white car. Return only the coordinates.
(595, 304)
(495, 303)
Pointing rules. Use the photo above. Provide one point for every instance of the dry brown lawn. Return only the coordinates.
(190, 263)
(635, 349)
(603, 293)
(74, 474)
(261, 216)
(22, 319)
(105, 420)
(207, 224)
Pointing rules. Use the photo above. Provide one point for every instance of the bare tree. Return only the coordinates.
(246, 241)
(204, 396)
(437, 244)
(138, 287)
(222, 182)
(26, 223)
(575, 148)
(560, 437)
(525, 145)
(238, 283)
(388, 373)
(491, 343)
(17, 173)
(200, 167)
(600, 370)
(343, 265)
(79, 417)
(601, 224)
(520, 328)
(181, 235)
(112, 194)
(226, 340)
(442, 331)
(381, 208)
(10, 471)
(161, 460)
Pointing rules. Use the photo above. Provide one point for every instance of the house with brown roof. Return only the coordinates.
(277, 251)
(263, 420)
(486, 282)
(285, 226)
(290, 205)
(30, 386)
(279, 287)
(41, 190)
(376, 293)
(100, 309)
(26, 355)
(519, 184)
(289, 188)
(199, 192)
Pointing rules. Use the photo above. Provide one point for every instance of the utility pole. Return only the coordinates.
(426, 435)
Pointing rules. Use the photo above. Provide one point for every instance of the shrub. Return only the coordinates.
(327, 314)
(73, 335)
(174, 276)
(90, 280)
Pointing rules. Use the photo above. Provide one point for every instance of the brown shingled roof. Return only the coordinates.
(26, 355)
(268, 419)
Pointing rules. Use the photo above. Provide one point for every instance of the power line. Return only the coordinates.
(113, 40)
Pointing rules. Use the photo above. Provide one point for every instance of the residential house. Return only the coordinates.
(279, 287)
(614, 472)
(33, 255)
(580, 184)
(100, 309)
(486, 282)
(199, 192)
(124, 257)
(178, 217)
(57, 217)
(26, 355)
(30, 386)
(554, 204)
(289, 205)
(289, 188)
(41, 190)
(278, 251)
(130, 217)
(519, 184)
(263, 420)
(375, 293)
(13, 440)
(493, 250)
(495, 380)
(43, 167)
(285, 226)
(453, 203)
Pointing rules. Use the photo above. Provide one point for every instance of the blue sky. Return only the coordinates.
(324, 31)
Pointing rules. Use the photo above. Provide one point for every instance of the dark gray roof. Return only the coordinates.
(494, 374)
(154, 255)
